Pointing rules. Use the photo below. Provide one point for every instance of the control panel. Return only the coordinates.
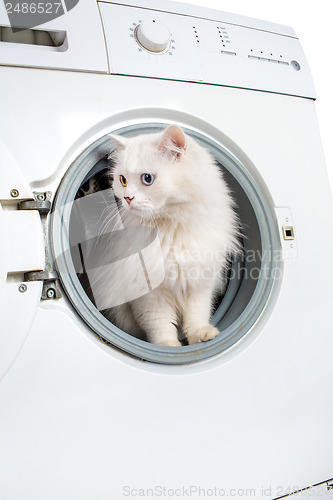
(157, 44)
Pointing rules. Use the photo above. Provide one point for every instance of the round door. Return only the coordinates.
(82, 199)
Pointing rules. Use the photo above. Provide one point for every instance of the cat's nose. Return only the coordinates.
(128, 199)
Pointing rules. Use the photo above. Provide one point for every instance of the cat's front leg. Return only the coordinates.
(157, 316)
(196, 315)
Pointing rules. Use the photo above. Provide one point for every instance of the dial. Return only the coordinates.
(153, 35)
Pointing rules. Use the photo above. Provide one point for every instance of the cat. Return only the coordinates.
(169, 184)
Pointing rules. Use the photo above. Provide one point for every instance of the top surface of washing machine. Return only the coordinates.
(253, 400)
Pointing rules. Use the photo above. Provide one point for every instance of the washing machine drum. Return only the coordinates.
(85, 196)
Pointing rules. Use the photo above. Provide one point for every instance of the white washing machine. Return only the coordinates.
(88, 411)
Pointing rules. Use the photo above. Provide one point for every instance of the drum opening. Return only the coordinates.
(250, 276)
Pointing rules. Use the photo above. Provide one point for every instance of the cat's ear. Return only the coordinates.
(118, 140)
(173, 141)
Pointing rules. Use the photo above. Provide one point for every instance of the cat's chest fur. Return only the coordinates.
(188, 254)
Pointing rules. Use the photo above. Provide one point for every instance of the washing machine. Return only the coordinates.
(89, 411)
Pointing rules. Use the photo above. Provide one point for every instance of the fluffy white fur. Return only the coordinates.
(191, 209)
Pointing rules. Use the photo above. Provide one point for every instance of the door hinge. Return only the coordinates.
(50, 278)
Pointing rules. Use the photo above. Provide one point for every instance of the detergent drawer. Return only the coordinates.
(72, 41)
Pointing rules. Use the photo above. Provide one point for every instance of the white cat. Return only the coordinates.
(171, 184)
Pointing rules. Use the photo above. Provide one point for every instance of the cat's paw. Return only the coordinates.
(170, 343)
(203, 334)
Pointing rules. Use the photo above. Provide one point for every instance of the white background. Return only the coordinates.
(313, 25)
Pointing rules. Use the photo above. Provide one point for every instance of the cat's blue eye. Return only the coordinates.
(147, 179)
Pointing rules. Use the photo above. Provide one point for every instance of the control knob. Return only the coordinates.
(153, 35)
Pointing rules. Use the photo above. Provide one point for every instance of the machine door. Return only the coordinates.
(21, 252)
